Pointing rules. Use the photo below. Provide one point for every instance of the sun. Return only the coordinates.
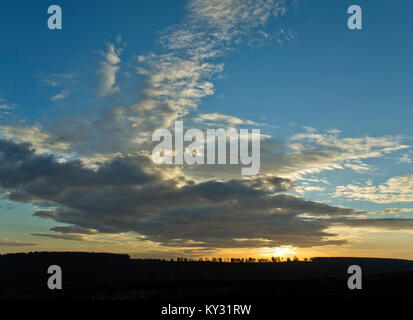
(281, 251)
(285, 251)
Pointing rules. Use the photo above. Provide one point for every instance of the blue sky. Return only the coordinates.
(335, 103)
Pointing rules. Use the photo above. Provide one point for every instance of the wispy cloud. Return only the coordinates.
(5, 107)
(73, 237)
(61, 82)
(405, 159)
(216, 119)
(15, 243)
(312, 152)
(177, 77)
(391, 211)
(397, 189)
(108, 70)
(315, 152)
(60, 96)
(183, 74)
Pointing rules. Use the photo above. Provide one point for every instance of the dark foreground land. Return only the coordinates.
(111, 277)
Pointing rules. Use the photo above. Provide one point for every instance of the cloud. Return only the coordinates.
(5, 107)
(394, 211)
(120, 190)
(43, 142)
(397, 189)
(220, 119)
(129, 194)
(108, 70)
(357, 166)
(73, 229)
(57, 79)
(356, 148)
(312, 152)
(72, 237)
(60, 96)
(405, 159)
(305, 187)
(234, 17)
(64, 82)
(176, 78)
(180, 76)
(15, 243)
(387, 224)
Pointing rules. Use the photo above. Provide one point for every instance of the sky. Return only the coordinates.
(78, 108)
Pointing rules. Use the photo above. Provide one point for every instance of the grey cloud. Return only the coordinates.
(384, 224)
(128, 194)
(15, 243)
(73, 229)
(73, 237)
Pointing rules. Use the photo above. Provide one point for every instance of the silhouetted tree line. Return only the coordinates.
(62, 257)
(110, 258)
(240, 260)
(84, 257)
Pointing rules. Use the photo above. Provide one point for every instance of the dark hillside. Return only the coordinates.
(112, 276)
